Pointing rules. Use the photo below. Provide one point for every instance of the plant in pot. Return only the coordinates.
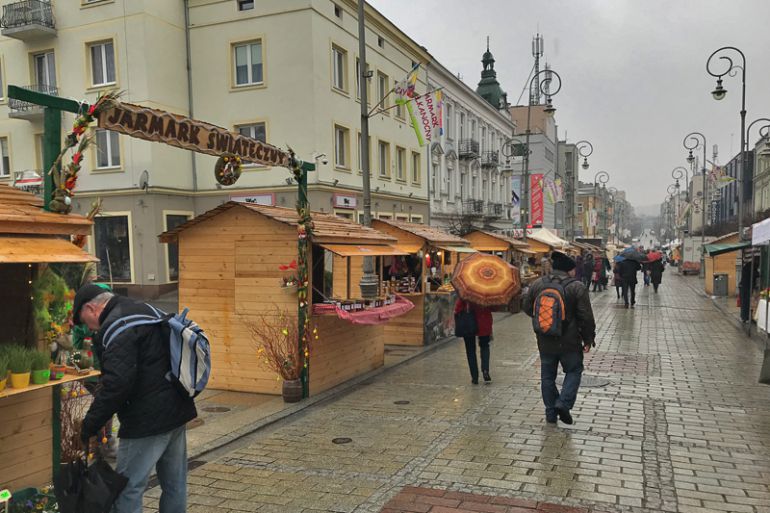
(275, 336)
(20, 363)
(41, 367)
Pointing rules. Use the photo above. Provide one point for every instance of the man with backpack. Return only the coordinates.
(563, 321)
(134, 384)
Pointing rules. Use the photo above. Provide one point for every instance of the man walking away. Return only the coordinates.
(628, 270)
(656, 273)
(564, 325)
(153, 414)
(588, 268)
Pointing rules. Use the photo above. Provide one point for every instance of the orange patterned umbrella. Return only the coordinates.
(486, 280)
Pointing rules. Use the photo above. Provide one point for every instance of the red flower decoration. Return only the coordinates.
(77, 157)
(91, 110)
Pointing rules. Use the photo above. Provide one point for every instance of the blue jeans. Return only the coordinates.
(167, 453)
(572, 365)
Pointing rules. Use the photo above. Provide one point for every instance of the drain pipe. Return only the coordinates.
(190, 93)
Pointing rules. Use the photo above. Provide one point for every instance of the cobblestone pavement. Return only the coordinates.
(682, 426)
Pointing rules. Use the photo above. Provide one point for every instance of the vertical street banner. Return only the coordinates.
(425, 113)
(594, 219)
(516, 200)
(536, 199)
(405, 89)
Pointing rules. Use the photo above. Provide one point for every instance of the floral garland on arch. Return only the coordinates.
(65, 179)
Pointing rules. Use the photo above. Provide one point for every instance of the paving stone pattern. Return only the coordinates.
(683, 426)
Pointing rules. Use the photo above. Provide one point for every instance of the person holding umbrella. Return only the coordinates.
(482, 282)
(656, 268)
(617, 279)
(563, 321)
(628, 269)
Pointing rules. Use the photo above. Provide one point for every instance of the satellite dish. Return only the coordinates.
(144, 180)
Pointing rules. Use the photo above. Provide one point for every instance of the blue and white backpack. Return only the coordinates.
(189, 348)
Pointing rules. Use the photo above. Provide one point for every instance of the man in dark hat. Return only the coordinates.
(566, 341)
(152, 413)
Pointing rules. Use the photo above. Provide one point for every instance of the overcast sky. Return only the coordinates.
(634, 74)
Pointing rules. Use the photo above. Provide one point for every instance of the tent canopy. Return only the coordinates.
(546, 236)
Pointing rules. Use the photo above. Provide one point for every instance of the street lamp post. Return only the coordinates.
(719, 93)
(545, 88)
(692, 141)
(515, 148)
(585, 149)
(613, 195)
(602, 177)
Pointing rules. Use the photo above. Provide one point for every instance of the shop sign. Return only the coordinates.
(344, 201)
(267, 199)
(190, 134)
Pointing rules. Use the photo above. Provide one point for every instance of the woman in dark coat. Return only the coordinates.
(483, 316)
(656, 273)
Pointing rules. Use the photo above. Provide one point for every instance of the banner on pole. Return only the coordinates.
(536, 199)
(516, 199)
(425, 113)
(405, 89)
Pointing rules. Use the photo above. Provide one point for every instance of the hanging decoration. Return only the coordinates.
(65, 179)
(227, 170)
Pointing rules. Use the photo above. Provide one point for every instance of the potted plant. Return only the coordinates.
(275, 335)
(41, 367)
(20, 363)
(3, 370)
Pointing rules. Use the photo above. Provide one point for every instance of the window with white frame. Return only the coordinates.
(341, 151)
(462, 125)
(416, 173)
(255, 131)
(172, 248)
(102, 63)
(113, 248)
(107, 149)
(249, 68)
(450, 129)
(384, 159)
(579, 208)
(450, 182)
(45, 71)
(416, 219)
(383, 83)
(400, 164)
(358, 83)
(5, 158)
(483, 139)
(339, 68)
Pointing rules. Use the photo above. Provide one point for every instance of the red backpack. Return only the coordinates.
(550, 309)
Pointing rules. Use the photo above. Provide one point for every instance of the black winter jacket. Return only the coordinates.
(580, 327)
(628, 270)
(133, 380)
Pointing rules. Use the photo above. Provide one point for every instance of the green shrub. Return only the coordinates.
(41, 360)
(3, 365)
(19, 359)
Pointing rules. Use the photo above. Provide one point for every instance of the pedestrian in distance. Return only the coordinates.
(588, 268)
(617, 279)
(153, 414)
(483, 316)
(628, 270)
(606, 269)
(563, 321)
(656, 273)
(579, 268)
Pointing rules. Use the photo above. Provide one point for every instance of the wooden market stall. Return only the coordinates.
(229, 260)
(29, 240)
(423, 277)
(720, 260)
(524, 255)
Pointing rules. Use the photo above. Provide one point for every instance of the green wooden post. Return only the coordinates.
(302, 247)
(56, 427)
(51, 149)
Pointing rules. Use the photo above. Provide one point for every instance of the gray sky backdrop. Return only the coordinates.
(635, 80)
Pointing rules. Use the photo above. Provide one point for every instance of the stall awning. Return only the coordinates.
(458, 249)
(348, 250)
(409, 248)
(525, 251)
(717, 249)
(38, 250)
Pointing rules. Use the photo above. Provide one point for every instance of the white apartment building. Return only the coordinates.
(283, 71)
(469, 176)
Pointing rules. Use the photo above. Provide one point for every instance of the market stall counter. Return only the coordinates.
(239, 263)
(423, 275)
(32, 242)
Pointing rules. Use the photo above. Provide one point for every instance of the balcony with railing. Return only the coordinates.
(490, 159)
(28, 20)
(24, 110)
(473, 207)
(468, 149)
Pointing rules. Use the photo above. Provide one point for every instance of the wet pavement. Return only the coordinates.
(675, 421)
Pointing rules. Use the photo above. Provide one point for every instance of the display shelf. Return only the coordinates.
(68, 378)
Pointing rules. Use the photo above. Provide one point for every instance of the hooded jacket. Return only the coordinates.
(580, 327)
(134, 383)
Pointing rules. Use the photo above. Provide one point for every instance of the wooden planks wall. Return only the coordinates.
(26, 439)
(720, 264)
(343, 351)
(407, 330)
(229, 272)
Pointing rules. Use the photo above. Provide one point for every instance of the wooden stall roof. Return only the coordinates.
(22, 213)
(430, 234)
(328, 228)
(35, 250)
(489, 241)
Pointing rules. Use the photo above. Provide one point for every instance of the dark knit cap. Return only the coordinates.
(561, 262)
